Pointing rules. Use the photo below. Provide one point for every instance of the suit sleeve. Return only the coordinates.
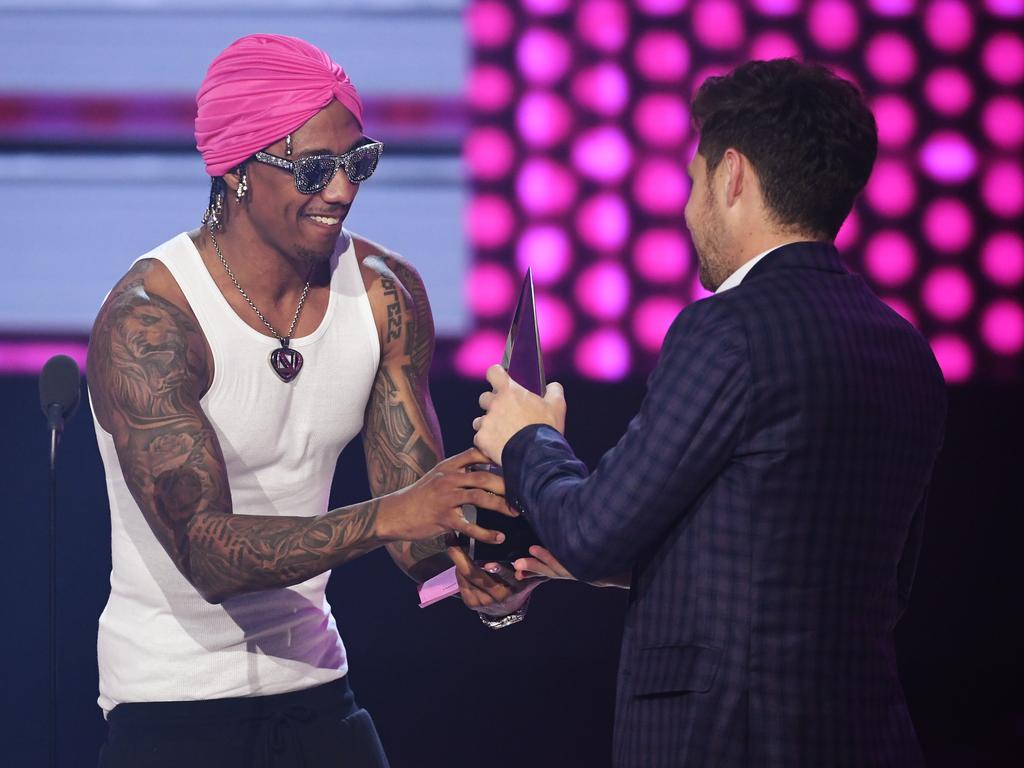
(688, 425)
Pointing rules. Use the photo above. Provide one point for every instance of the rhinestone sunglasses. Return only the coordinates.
(314, 172)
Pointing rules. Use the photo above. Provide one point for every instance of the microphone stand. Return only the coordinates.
(56, 418)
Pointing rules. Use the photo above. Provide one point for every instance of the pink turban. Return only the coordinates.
(260, 89)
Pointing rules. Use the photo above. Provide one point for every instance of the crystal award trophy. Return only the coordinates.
(523, 361)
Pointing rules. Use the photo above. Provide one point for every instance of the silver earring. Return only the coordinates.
(212, 218)
(243, 187)
(288, 145)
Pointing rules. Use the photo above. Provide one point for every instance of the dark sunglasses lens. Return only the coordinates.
(313, 174)
(361, 164)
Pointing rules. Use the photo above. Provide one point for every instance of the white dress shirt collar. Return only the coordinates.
(737, 277)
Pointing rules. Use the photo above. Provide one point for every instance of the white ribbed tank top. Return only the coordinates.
(158, 639)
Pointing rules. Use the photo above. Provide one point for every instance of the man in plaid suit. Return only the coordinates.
(768, 499)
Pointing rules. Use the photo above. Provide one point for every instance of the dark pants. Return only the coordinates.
(316, 728)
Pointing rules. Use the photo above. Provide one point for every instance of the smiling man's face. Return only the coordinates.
(305, 227)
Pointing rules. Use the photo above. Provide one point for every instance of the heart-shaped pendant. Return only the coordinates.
(286, 363)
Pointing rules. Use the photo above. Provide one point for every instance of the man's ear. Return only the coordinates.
(736, 170)
(232, 179)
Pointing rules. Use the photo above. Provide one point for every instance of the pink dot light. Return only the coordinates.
(489, 221)
(948, 225)
(652, 320)
(546, 7)
(947, 293)
(602, 154)
(890, 258)
(1010, 8)
(1003, 121)
(603, 355)
(543, 119)
(849, 231)
(544, 187)
(489, 153)
(661, 120)
(718, 24)
(774, 45)
(776, 7)
(554, 322)
(602, 290)
(603, 222)
(602, 88)
(1002, 259)
(490, 290)
(661, 255)
(479, 352)
(1002, 327)
(1002, 189)
(490, 88)
(604, 24)
(948, 157)
(891, 58)
(1003, 58)
(949, 91)
(489, 23)
(896, 121)
(954, 358)
(891, 189)
(547, 250)
(662, 57)
(661, 7)
(543, 56)
(833, 24)
(893, 7)
(949, 25)
(661, 187)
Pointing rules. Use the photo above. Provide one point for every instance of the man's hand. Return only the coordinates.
(432, 506)
(509, 407)
(493, 589)
(541, 563)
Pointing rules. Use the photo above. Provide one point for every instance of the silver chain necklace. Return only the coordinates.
(285, 361)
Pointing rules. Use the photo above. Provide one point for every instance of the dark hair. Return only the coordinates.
(808, 133)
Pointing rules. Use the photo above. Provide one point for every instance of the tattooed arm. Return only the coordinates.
(148, 369)
(401, 436)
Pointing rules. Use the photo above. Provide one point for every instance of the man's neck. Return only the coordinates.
(259, 267)
(754, 248)
(758, 243)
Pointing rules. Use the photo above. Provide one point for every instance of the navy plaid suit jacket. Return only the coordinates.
(768, 499)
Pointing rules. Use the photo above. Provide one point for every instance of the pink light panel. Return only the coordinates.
(581, 133)
(28, 357)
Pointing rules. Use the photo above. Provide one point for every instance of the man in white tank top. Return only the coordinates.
(227, 370)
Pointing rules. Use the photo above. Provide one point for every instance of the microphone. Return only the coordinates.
(60, 384)
(59, 390)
